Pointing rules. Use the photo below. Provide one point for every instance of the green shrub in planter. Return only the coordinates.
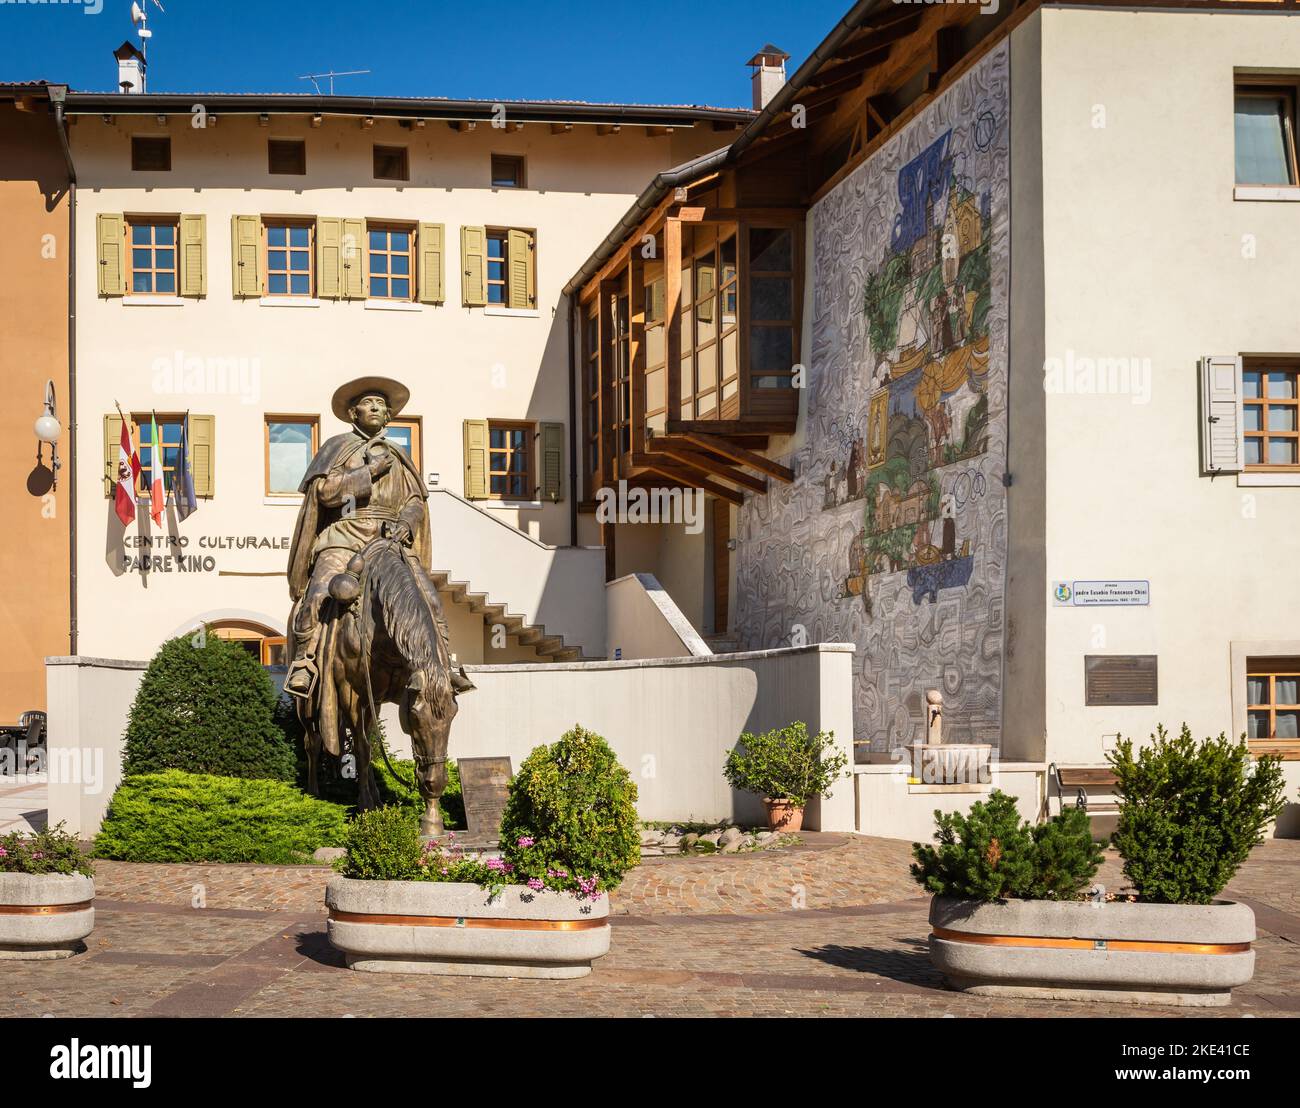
(205, 706)
(785, 764)
(50, 851)
(1190, 812)
(383, 844)
(188, 817)
(571, 809)
(991, 854)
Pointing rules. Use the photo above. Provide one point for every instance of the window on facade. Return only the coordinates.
(770, 284)
(510, 460)
(656, 350)
(1264, 135)
(287, 156)
(710, 342)
(510, 268)
(622, 374)
(151, 154)
(1270, 403)
(168, 444)
(153, 257)
(591, 353)
(290, 443)
(1273, 698)
(391, 163)
(290, 258)
(391, 254)
(507, 171)
(405, 435)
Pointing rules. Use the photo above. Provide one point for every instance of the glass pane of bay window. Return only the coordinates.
(770, 349)
(770, 298)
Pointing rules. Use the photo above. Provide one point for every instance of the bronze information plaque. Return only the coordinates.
(1120, 679)
(483, 783)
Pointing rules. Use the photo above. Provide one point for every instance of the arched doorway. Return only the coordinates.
(264, 643)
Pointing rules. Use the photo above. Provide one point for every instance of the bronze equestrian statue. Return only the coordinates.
(367, 626)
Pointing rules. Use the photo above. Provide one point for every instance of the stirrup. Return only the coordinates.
(304, 665)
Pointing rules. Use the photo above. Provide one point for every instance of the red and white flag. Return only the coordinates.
(124, 501)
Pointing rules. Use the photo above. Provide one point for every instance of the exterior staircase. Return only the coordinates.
(546, 645)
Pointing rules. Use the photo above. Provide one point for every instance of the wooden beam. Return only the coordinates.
(686, 476)
(608, 128)
(730, 427)
(741, 455)
(734, 215)
(699, 461)
(672, 313)
(561, 128)
(636, 346)
(658, 132)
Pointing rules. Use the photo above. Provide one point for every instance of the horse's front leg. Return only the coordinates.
(429, 744)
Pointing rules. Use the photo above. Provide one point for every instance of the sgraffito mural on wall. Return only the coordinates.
(893, 535)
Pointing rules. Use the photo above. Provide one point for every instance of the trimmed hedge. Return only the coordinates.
(188, 817)
(206, 706)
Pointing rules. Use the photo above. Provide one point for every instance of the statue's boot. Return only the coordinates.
(301, 678)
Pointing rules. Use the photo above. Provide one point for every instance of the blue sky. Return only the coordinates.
(652, 51)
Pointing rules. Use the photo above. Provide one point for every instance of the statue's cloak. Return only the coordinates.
(337, 453)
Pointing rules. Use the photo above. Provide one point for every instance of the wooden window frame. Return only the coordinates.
(143, 419)
(288, 222)
(520, 165)
(381, 150)
(528, 450)
(792, 324)
(621, 328)
(1272, 88)
(138, 143)
(416, 426)
(1270, 669)
(503, 234)
(388, 228)
(1265, 366)
(267, 420)
(591, 422)
(284, 143)
(153, 221)
(653, 277)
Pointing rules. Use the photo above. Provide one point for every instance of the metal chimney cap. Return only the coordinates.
(770, 56)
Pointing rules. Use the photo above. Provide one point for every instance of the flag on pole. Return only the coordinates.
(124, 500)
(155, 470)
(183, 482)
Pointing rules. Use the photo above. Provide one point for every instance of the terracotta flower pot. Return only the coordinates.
(783, 815)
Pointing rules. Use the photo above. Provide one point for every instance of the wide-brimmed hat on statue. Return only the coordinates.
(394, 392)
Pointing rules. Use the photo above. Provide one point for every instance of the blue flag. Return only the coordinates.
(183, 489)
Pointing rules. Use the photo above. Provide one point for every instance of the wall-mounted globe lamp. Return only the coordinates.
(48, 429)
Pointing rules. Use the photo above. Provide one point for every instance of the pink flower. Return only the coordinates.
(3, 852)
(536, 884)
(496, 864)
(524, 840)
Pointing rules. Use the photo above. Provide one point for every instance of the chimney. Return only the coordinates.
(769, 74)
(130, 68)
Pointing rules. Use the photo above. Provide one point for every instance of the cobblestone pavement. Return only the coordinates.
(692, 936)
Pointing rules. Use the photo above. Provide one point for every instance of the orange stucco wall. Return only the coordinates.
(34, 560)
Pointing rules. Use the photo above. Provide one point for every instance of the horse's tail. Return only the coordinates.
(409, 600)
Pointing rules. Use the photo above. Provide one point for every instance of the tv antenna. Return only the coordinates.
(316, 78)
(140, 17)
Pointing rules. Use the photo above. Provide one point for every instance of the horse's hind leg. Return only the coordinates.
(367, 793)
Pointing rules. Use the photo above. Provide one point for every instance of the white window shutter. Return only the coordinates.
(1221, 432)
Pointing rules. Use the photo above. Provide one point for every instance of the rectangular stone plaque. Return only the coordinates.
(483, 783)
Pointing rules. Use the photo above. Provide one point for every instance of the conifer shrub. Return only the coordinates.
(206, 706)
(174, 816)
(990, 853)
(1190, 812)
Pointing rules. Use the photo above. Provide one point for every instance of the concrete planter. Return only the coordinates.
(45, 915)
(453, 928)
(1189, 954)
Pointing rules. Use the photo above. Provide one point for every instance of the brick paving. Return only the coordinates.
(715, 935)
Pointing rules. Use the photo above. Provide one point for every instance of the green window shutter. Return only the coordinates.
(246, 255)
(329, 257)
(110, 235)
(519, 259)
(193, 256)
(476, 459)
(551, 436)
(430, 243)
(112, 448)
(203, 437)
(473, 266)
(354, 259)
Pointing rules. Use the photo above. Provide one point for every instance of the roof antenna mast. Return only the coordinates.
(316, 78)
(140, 18)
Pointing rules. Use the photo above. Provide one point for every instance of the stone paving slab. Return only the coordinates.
(23, 803)
(707, 936)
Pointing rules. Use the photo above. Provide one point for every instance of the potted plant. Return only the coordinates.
(47, 895)
(569, 833)
(786, 767)
(1010, 915)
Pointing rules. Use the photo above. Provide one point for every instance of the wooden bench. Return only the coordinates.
(1078, 780)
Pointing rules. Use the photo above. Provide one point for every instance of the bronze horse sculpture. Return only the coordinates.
(382, 646)
(367, 627)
